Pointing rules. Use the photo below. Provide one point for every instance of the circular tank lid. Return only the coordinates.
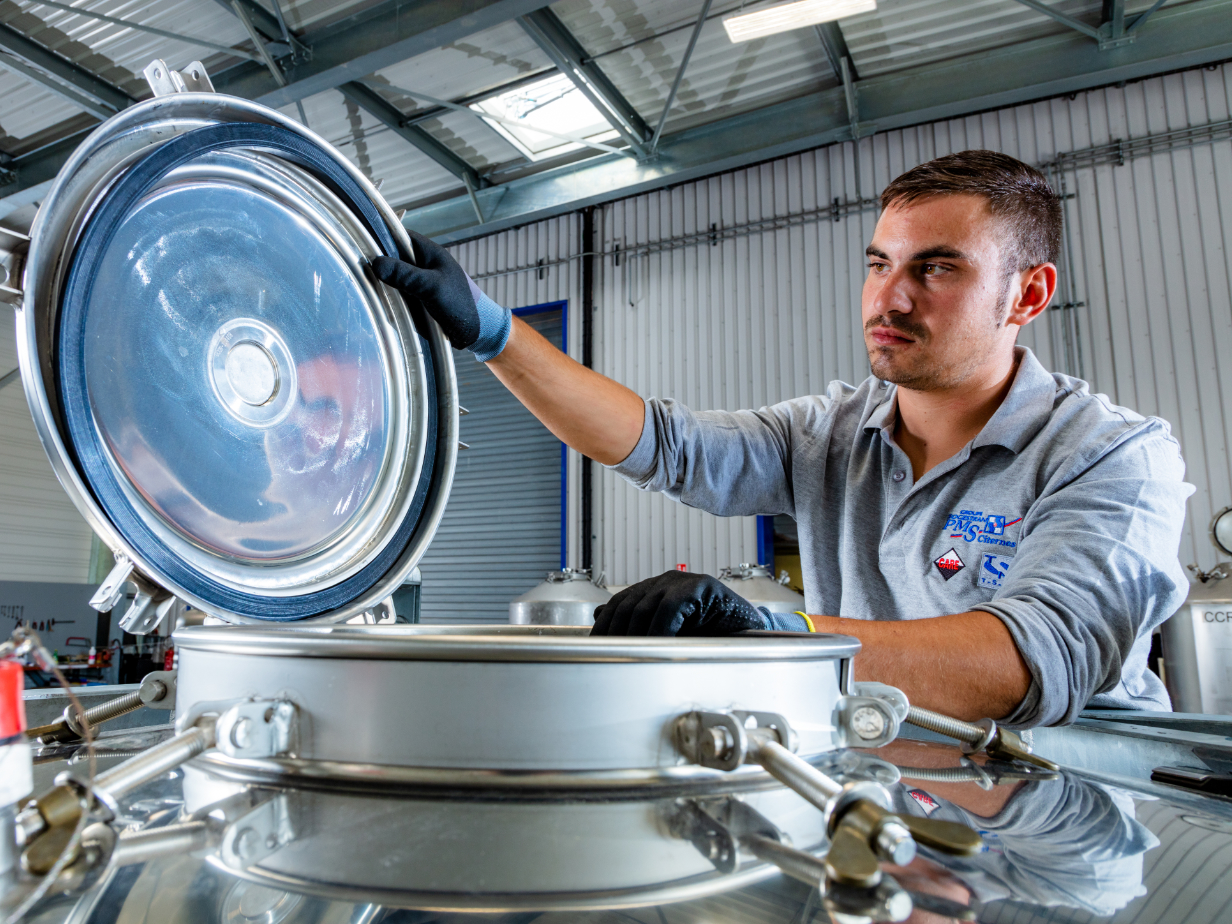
(249, 416)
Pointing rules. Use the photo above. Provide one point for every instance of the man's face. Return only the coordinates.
(936, 296)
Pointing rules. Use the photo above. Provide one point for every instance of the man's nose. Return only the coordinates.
(893, 295)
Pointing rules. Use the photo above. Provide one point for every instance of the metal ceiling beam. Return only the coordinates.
(571, 58)
(62, 90)
(142, 27)
(388, 114)
(245, 17)
(831, 37)
(1063, 18)
(347, 50)
(684, 63)
(359, 45)
(1182, 37)
(278, 42)
(1112, 32)
(57, 70)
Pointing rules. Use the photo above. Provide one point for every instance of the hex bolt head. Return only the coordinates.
(242, 733)
(895, 844)
(868, 723)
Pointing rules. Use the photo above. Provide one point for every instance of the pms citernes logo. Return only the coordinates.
(985, 528)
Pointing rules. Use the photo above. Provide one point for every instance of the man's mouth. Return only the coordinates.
(888, 336)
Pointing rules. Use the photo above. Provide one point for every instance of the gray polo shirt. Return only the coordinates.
(1062, 518)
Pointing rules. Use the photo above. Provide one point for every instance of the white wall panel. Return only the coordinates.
(42, 536)
(761, 317)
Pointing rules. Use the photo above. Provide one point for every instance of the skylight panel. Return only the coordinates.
(784, 17)
(553, 104)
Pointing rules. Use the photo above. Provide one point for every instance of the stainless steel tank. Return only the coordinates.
(565, 598)
(493, 702)
(250, 421)
(757, 585)
(1197, 643)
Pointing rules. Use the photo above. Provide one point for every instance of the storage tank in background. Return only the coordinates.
(565, 598)
(756, 584)
(1197, 640)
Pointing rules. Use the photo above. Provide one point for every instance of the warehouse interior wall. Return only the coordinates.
(743, 289)
(42, 536)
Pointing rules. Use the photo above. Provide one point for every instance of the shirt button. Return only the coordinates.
(899, 476)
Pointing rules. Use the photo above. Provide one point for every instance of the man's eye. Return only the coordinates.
(932, 269)
(877, 267)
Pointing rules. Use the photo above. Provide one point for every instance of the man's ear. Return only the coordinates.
(1034, 290)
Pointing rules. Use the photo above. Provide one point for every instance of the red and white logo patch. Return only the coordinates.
(924, 800)
(949, 564)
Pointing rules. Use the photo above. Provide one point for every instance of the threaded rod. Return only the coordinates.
(113, 708)
(944, 725)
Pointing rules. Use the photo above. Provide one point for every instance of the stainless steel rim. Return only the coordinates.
(92, 167)
(681, 890)
(355, 777)
(556, 644)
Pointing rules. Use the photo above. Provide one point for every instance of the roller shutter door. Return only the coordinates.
(501, 530)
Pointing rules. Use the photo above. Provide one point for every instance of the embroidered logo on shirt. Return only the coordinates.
(993, 569)
(949, 564)
(924, 800)
(977, 526)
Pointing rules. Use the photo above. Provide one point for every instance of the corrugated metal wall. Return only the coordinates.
(556, 242)
(501, 531)
(42, 536)
(768, 313)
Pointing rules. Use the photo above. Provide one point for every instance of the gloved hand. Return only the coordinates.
(688, 605)
(470, 319)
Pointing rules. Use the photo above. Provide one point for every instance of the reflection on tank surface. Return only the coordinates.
(252, 410)
(1059, 847)
(1063, 843)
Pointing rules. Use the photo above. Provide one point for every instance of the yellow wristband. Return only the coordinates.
(809, 622)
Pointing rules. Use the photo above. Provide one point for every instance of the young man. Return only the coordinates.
(1002, 541)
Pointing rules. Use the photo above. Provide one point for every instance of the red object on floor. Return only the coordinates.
(12, 707)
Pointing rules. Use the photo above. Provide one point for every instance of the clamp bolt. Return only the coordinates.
(868, 723)
(242, 733)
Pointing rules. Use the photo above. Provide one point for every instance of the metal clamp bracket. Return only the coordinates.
(164, 81)
(863, 721)
(255, 836)
(257, 728)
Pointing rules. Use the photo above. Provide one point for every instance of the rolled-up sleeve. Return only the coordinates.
(729, 463)
(1096, 570)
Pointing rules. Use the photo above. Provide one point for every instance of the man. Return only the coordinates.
(1002, 541)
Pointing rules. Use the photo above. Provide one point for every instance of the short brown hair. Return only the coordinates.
(1016, 193)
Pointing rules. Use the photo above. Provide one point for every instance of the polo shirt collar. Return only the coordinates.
(1026, 408)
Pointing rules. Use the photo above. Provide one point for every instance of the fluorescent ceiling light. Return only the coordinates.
(555, 105)
(787, 16)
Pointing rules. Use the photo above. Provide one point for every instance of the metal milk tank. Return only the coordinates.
(1198, 647)
(565, 598)
(757, 585)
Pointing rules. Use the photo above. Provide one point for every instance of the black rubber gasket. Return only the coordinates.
(85, 443)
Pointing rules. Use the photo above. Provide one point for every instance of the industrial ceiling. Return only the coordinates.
(392, 82)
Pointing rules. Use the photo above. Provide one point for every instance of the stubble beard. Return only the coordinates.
(927, 373)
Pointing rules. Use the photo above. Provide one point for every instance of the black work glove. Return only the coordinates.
(470, 319)
(686, 604)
